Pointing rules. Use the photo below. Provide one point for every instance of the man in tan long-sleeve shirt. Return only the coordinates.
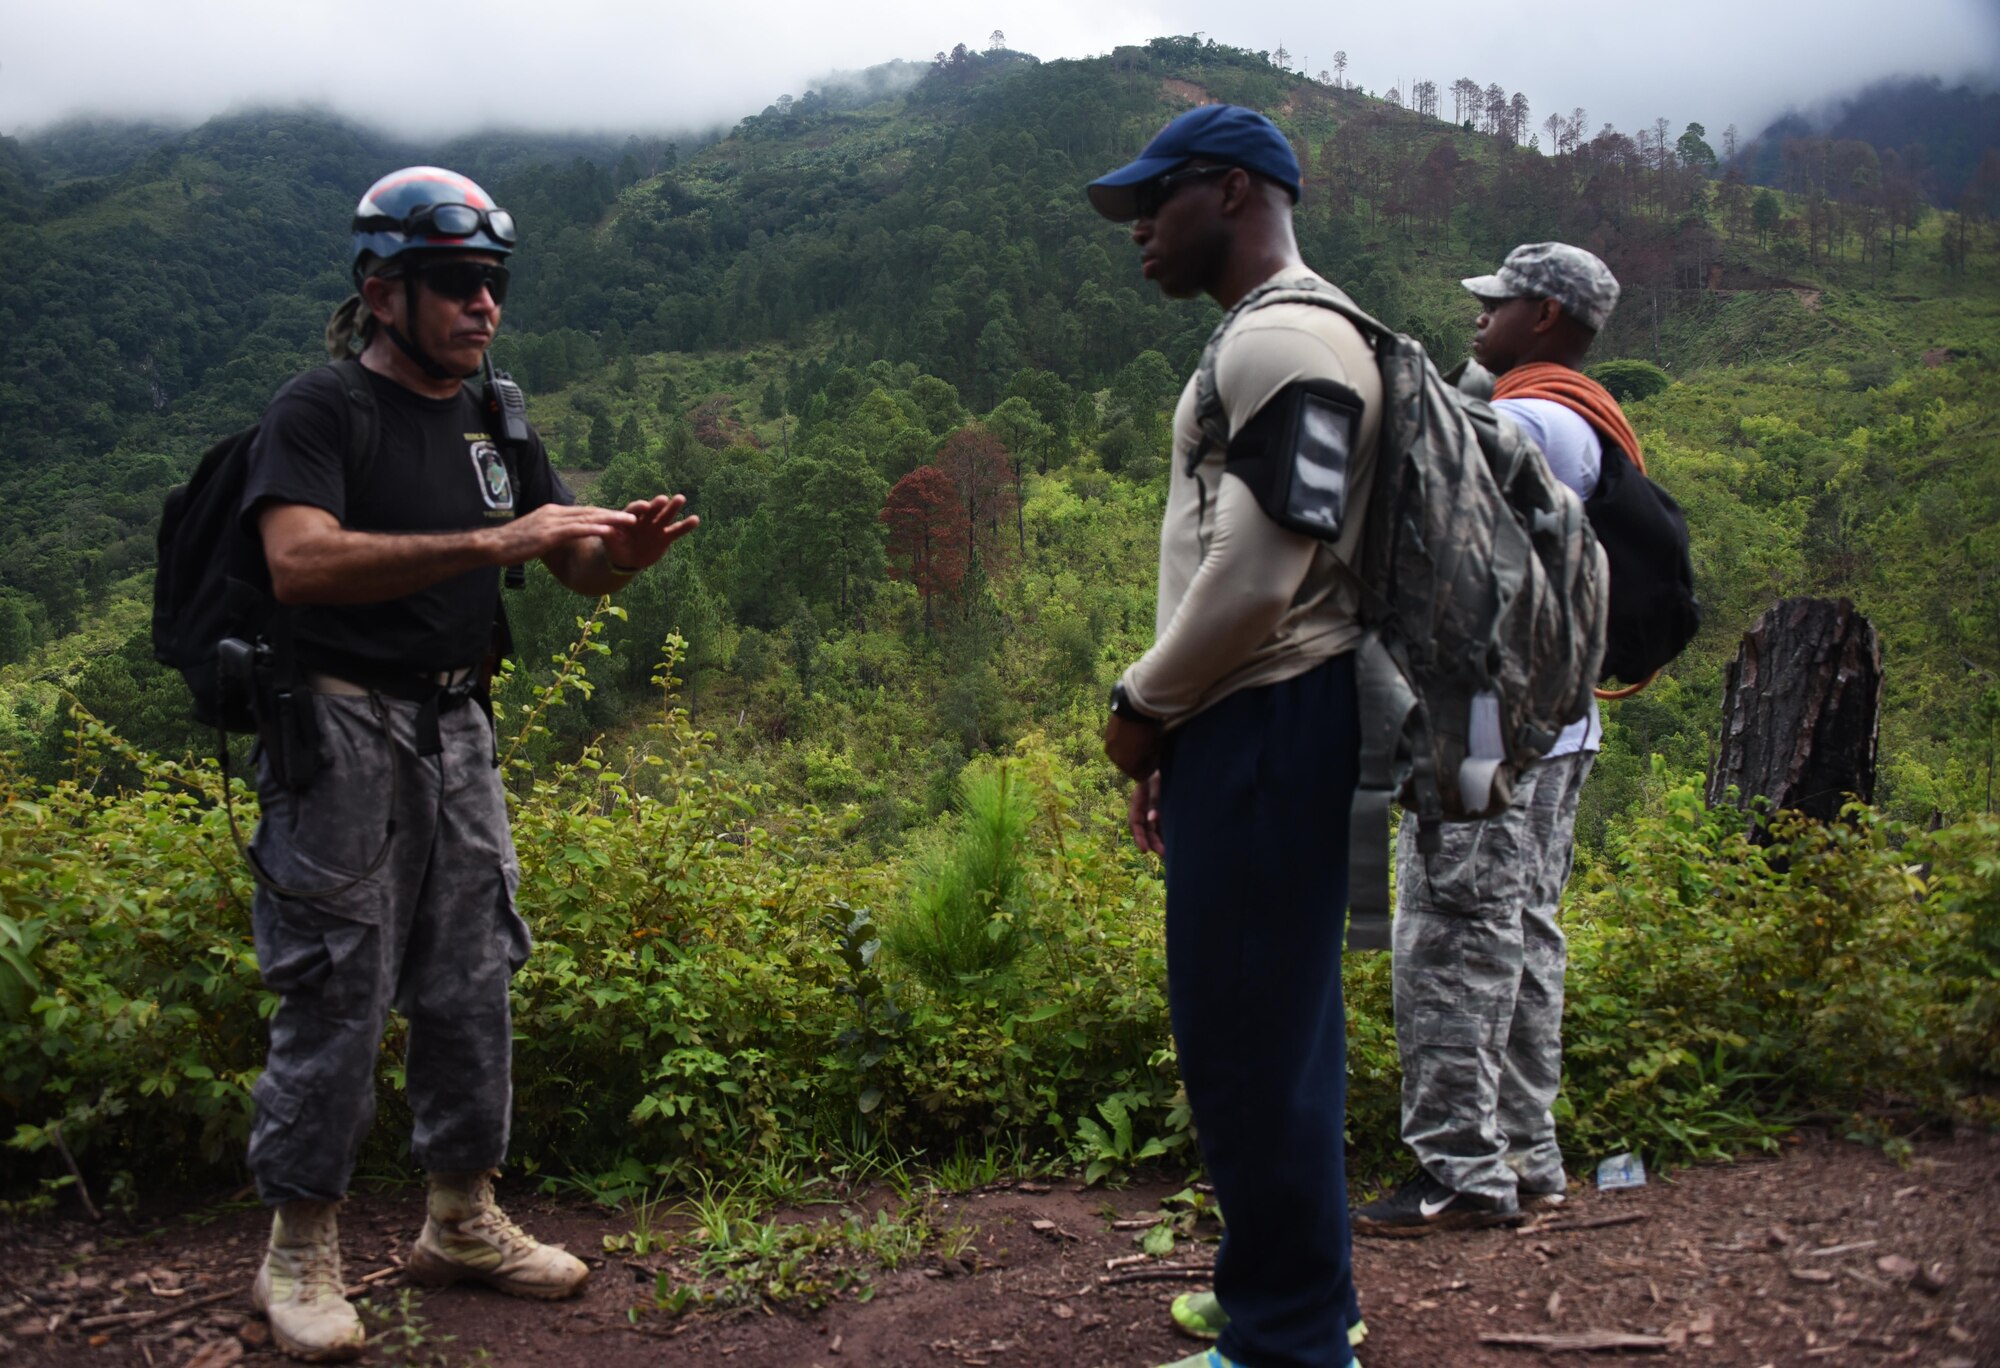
(1240, 728)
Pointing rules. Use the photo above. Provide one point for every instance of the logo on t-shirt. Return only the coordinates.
(494, 486)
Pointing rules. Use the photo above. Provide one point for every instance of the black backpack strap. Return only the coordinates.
(362, 420)
(506, 410)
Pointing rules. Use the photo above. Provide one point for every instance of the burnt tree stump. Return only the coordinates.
(1801, 711)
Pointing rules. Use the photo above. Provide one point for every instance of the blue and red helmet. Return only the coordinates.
(424, 209)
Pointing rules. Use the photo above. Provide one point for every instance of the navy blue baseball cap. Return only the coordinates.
(1218, 132)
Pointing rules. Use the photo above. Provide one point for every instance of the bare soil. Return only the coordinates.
(1830, 1253)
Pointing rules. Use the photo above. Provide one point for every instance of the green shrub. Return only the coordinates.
(702, 999)
(144, 1026)
(1630, 380)
(705, 999)
(1719, 986)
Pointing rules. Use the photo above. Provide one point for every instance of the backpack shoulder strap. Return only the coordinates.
(506, 410)
(1386, 702)
(362, 420)
(1208, 411)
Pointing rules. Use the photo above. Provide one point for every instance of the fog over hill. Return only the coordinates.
(1957, 127)
(616, 64)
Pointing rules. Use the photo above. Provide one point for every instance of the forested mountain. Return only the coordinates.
(876, 302)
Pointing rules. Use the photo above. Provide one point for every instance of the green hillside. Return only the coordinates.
(793, 324)
(849, 280)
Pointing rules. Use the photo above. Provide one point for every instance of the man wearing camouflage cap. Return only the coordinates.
(1555, 272)
(1479, 957)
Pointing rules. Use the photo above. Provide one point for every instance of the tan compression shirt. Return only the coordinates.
(1244, 602)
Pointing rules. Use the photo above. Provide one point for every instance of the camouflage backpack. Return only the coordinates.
(1483, 594)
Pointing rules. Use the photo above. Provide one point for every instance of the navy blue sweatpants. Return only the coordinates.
(1255, 795)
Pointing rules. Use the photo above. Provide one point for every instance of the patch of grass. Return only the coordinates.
(788, 1182)
(733, 1258)
(646, 1235)
(968, 1168)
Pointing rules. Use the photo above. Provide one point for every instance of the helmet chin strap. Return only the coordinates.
(410, 348)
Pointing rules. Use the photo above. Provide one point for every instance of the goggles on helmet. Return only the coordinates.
(442, 221)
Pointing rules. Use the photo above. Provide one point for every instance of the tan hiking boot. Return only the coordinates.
(299, 1286)
(466, 1235)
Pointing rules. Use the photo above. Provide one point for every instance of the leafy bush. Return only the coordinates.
(705, 999)
(1630, 380)
(701, 996)
(1720, 985)
(145, 1027)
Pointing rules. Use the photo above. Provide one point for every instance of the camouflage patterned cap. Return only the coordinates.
(1572, 277)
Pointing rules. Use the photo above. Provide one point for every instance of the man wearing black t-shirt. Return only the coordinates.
(388, 555)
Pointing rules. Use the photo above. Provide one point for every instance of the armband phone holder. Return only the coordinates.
(1295, 455)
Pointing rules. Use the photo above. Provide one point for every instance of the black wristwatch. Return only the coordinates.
(1122, 706)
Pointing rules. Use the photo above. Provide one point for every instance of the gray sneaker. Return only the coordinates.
(1544, 1190)
(1424, 1205)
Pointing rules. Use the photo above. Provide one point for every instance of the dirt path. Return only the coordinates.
(1830, 1254)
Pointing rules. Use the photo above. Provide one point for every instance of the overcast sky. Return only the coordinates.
(618, 64)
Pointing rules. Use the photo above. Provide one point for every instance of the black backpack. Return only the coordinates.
(212, 584)
(1654, 613)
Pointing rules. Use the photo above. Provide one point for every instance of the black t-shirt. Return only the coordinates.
(435, 468)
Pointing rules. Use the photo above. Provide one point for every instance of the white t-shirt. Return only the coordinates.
(1574, 453)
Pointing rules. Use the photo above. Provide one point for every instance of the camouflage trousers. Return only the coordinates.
(1479, 966)
(432, 932)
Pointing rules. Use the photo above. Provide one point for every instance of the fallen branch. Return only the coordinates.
(1158, 1275)
(1832, 1250)
(356, 1289)
(1588, 1340)
(1589, 1223)
(134, 1320)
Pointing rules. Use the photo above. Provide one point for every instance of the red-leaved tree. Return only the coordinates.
(975, 460)
(927, 534)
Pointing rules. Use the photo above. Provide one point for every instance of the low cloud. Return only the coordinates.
(621, 64)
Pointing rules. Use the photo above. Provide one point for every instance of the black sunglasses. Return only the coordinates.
(463, 280)
(443, 220)
(1149, 196)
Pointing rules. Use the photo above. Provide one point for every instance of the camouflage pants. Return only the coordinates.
(433, 932)
(1479, 965)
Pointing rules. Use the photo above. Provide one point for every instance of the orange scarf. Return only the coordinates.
(1594, 404)
(1574, 390)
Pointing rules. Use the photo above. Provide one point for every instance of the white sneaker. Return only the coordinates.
(299, 1287)
(466, 1235)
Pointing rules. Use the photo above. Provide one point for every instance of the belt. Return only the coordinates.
(434, 693)
(347, 688)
